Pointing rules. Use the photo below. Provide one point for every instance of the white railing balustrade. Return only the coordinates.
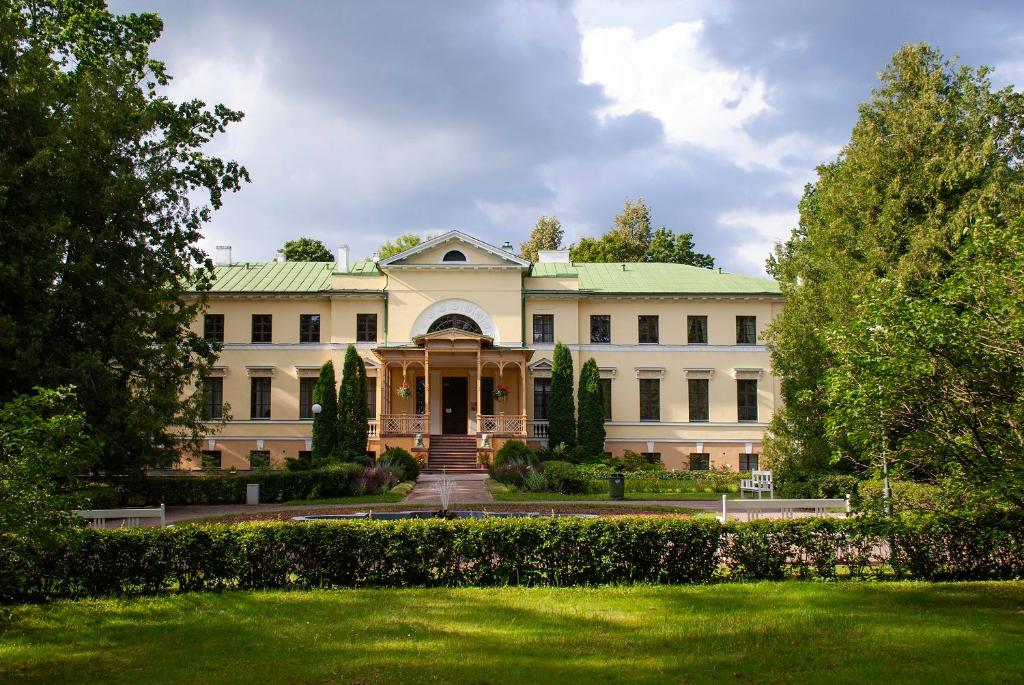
(404, 424)
(372, 428)
(503, 424)
(539, 429)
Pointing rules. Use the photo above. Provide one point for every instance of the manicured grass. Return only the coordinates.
(793, 632)
(603, 497)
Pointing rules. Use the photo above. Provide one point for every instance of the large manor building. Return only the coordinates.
(443, 326)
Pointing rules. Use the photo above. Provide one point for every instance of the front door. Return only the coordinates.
(454, 397)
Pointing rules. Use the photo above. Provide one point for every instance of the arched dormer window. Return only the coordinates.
(457, 321)
(453, 256)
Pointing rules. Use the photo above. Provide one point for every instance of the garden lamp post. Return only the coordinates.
(316, 409)
(886, 494)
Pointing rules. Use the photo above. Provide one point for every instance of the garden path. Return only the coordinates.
(469, 488)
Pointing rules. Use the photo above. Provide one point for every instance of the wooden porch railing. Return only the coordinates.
(502, 424)
(404, 424)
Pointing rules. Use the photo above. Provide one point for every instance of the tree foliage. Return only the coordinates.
(562, 407)
(325, 424)
(547, 234)
(42, 449)
(99, 224)
(632, 240)
(399, 244)
(306, 250)
(902, 324)
(352, 410)
(591, 432)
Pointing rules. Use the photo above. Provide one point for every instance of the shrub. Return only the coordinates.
(403, 462)
(486, 552)
(376, 480)
(514, 451)
(563, 477)
(534, 481)
(634, 461)
(513, 474)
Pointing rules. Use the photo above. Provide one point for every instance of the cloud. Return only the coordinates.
(756, 232)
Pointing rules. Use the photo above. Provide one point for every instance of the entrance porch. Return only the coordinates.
(452, 383)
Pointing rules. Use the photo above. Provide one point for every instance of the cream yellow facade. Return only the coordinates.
(456, 308)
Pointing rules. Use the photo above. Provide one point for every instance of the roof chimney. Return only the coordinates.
(281, 258)
(343, 258)
(553, 256)
(507, 246)
(222, 255)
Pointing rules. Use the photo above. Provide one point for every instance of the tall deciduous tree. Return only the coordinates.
(903, 281)
(325, 424)
(591, 433)
(352, 408)
(399, 244)
(562, 407)
(547, 234)
(631, 240)
(306, 250)
(99, 226)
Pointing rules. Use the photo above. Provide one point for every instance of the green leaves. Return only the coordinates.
(562, 408)
(306, 250)
(591, 431)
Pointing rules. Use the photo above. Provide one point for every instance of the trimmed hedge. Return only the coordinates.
(338, 480)
(560, 551)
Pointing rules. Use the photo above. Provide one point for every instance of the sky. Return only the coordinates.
(366, 120)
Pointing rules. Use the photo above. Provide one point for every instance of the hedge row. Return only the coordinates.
(508, 552)
(275, 486)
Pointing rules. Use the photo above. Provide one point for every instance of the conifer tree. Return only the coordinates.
(562, 409)
(352, 407)
(325, 424)
(591, 406)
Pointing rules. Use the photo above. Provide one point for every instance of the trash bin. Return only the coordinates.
(617, 486)
(252, 493)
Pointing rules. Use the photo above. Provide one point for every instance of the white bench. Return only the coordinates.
(786, 507)
(129, 517)
(759, 482)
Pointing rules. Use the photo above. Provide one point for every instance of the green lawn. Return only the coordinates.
(602, 497)
(795, 632)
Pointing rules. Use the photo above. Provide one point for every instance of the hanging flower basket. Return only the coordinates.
(404, 390)
(501, 392)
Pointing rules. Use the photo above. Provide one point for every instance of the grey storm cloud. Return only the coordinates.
(367, 120)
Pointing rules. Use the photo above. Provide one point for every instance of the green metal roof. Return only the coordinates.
(273, 277)
(620, 277)
(366, 267)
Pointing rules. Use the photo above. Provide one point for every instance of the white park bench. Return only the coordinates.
(129, 517)
(786, 507)
(759, 482)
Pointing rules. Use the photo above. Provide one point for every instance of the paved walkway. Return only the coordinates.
(468, 488)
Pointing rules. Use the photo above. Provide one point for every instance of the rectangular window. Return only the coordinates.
(211, 459)
(213, 398)
(647, 329)
(541, 396)
(306, 386)
(746, 330)
(421, 395)
(366, 328)
(600, 328)
(309, 328)
(650, 399)
(262, 325)
(748, 462)
(371, 396)
(746, 400)
(259, 405)
(606, 392)
(698, 391)
(543, 328)
(305, 455)
(213, 327)
(487, 396)
(700, 461)
(651, 457)
(697, 330)
(259, 459)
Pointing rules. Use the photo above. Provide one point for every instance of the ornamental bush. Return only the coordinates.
(404, 463)
(515, 551)
(514, 451)
(563, 477)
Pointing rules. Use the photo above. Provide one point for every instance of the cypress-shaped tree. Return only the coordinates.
(562, 407)
(325, 424)
(362, 414)
(351, 405)
(591, 403)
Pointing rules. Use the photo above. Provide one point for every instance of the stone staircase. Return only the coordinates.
(452, 454)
